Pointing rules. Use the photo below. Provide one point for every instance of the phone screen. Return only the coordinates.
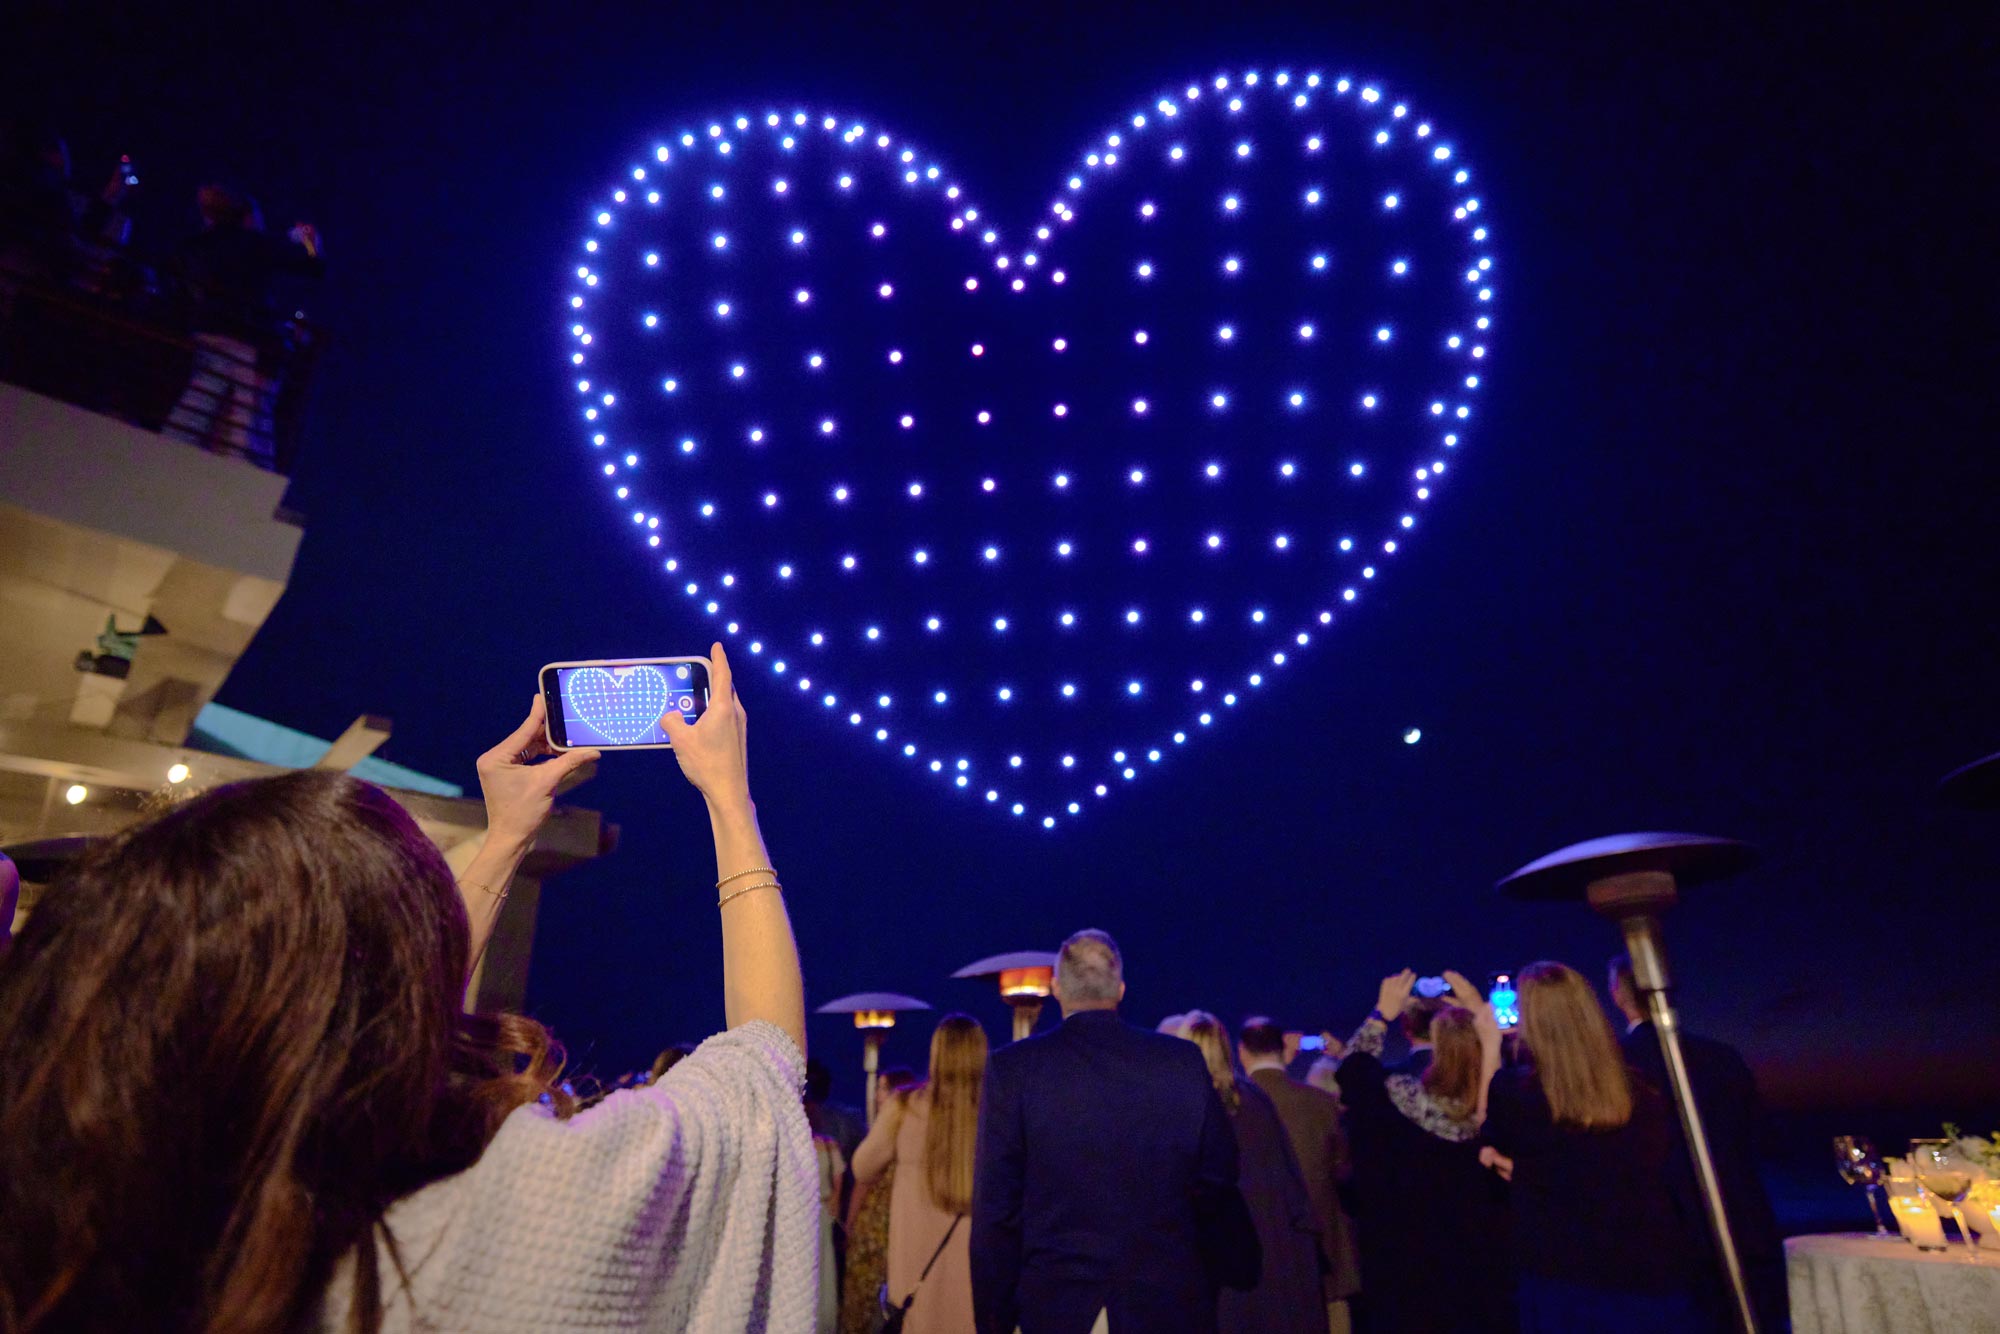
(1312, 1042)
(1506, 1002)
(620, 705)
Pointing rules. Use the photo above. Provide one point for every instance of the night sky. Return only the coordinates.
(1724, 557)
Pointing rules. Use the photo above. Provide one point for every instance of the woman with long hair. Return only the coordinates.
(240, 1094)
(1430, 1222)
(1288, 1296)
(928, 1135)
(1600, 1240)
(868, 1226)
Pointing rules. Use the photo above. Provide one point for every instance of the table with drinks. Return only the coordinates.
(1910, 1274)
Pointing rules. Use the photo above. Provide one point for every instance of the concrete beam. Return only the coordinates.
(361, 739)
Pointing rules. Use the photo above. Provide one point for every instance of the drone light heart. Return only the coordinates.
(1032, 499)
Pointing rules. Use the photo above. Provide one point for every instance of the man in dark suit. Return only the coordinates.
(1105, 1192)
(1726, 1093)
(1312, 1121)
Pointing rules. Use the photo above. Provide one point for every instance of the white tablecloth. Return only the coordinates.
(1853, 1283)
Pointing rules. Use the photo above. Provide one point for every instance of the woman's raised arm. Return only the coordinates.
(760, 960)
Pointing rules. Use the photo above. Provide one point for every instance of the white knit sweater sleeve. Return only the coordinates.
(690, 1205)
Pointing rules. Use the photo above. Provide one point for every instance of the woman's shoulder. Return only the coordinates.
(914, 1107)
(753, 1067)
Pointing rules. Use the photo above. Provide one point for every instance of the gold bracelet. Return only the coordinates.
(748, 889)
(755, 870)
(491, 893)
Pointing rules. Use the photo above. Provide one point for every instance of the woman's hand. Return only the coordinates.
(1500, 1163)
(1395, 993)
(713, 751)
(519, 792)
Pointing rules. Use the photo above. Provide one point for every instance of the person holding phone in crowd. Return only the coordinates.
(1430, 1221)
(240, 1092)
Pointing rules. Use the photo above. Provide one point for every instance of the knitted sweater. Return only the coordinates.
(689, 1205)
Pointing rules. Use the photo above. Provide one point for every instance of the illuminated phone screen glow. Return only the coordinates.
(624, 705)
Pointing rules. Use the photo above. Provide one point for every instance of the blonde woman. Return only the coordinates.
(928, 1135)
(1288, 1294)
(1599, 1239)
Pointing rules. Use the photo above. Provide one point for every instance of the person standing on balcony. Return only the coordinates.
(229, 271)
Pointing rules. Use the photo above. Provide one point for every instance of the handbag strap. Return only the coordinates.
(943, 1242)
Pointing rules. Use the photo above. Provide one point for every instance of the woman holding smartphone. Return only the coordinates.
(239, 1093)
(1430, 1221)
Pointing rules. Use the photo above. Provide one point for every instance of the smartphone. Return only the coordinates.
(621, 703)
(1313, 1042)
(1506, 1002)
(1432, 987)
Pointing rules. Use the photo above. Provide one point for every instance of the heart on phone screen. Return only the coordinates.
(1031, 499)
(622, 709)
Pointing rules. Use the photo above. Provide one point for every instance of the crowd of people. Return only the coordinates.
(242, 1095)
(215, 289)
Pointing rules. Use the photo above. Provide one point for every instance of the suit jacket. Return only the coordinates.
(1106, 1180)
(1289, 1296)
(1312, 1120)
(1726, 1093)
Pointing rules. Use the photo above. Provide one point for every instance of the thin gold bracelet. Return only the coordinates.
(491, 893)
(748, 889)
(755, 870)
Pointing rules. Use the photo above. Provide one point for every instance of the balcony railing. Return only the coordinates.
(218, 394)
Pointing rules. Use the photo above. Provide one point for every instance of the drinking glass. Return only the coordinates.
(1943, 1169)
(1854, 1156)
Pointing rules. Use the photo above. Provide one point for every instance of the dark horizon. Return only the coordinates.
(1722, 560)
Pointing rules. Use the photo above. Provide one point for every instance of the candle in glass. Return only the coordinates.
(1919, 1222)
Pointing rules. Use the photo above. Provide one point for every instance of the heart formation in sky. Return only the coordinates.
(1030, 507)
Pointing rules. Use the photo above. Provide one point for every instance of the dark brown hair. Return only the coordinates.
(230, 1039)
(1417, 1017)
(1262, 1037)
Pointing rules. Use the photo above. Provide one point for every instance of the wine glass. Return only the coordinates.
(1854, 1156)
(1943, 1169)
